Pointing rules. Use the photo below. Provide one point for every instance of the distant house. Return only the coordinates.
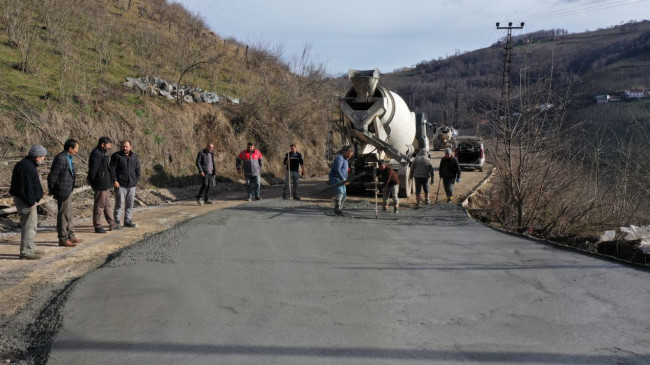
(600, 99)
(635, 93)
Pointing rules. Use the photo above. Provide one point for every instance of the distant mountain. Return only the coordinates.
(581, 66)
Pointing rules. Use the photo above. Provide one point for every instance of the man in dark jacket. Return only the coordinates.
(27, 191)
(102, 179)
(449, 171)
(126, 168)
(294, 164)
(207, 170)
(60, 183)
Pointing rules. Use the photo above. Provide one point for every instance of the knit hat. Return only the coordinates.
(447, 151)
(37, 151)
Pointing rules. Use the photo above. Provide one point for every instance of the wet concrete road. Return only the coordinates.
(281, 282)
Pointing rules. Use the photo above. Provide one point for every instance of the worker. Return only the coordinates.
(390, 186)
(295, 167)
(60, 183)
(207, 172)
(449, 172)
(422, 170)
(250, 162)
(102, 179)
(126, 167)
(27, 191)
(338, 175)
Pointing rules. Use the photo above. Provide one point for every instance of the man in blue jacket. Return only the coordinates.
(60, 183)
(338, 174)
(27, 191)
(126, 168)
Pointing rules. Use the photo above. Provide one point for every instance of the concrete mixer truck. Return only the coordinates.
(380, 126)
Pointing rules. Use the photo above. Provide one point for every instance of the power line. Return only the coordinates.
(579, 9)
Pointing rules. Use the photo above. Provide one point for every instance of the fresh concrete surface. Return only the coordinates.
(282, 282)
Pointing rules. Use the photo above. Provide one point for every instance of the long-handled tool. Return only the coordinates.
(289, 175)
(355, 177)
(374, 172)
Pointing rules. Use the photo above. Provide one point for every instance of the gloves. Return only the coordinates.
(458, 179)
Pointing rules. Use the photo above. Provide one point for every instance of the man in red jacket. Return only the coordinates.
(390, 185)
(250, 162)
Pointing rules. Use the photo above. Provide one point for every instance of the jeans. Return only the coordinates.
(448, 184)
(294, 176)
(253, 184)
(205, 186)
(124, 197)
(341, 194)
(28, 225)
(421, 183)
(391, 189)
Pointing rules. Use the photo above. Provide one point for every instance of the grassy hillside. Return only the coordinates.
(63, 62)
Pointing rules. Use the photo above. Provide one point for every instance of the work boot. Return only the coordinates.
(449, 198)
(130, 224)
(417, 202)
(199, 201)
(76, 240)
(29, 256)
(396, 209)
(67, 243)
(384, 208)
(426, 200)
(296, 198)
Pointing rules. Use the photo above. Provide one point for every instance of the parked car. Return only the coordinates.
(470, 152)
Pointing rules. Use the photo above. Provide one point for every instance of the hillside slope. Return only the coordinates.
(63, 62)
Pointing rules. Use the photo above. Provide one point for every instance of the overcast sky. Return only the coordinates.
(364, 34)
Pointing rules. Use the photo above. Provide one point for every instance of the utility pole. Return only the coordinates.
(456, 111)
(505, 87)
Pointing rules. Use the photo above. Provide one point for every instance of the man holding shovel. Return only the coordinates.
(294, 164)
(338, 174)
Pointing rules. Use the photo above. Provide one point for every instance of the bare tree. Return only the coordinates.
(22, 30)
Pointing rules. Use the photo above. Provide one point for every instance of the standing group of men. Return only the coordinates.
(422, 170)
(120, 174)
(249, 162)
